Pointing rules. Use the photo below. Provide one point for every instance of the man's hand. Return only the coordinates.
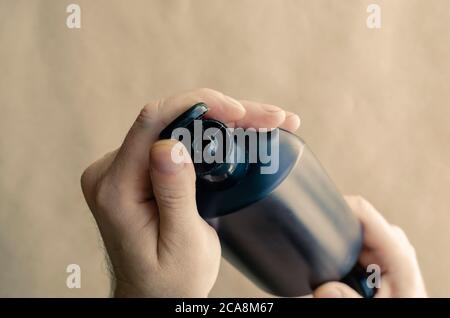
(144, 203)
(387, 246)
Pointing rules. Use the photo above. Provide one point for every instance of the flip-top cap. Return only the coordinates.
(184, 120)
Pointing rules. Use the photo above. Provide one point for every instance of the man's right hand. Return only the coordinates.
(144, 202)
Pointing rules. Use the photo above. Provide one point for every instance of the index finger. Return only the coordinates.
(132, 157)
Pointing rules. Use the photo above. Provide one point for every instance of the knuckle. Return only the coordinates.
(412, 250)
(88, 180)
(399, 231)
(149, 113)
(101, 195)
(407, 251)
(172, 198)
(106, 194)
(399, 234)
(403, 238)
(361, 202)
(205, 91)
(85, 179)
(99, 187)
(213, 235)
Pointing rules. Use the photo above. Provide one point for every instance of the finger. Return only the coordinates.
(368, 256)
(400, 234)
(220, 106)
(131, 164)
(93, 174)
(173, 183)
(259, 115)
(335, 290)
(291, 122)
(378, 234)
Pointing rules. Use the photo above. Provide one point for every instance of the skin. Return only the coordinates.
(159, 246)
(387, 246)
(144, 203)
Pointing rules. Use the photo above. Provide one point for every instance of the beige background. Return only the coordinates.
(374, 105)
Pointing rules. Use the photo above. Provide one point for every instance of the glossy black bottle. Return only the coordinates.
(289, 231)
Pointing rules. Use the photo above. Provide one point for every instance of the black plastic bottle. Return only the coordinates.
(289, 231)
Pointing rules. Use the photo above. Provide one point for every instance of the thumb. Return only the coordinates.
(173, 179)
(335, 290)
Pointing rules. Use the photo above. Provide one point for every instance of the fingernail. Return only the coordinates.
(167, 156)
(235, 103)
(271, 108)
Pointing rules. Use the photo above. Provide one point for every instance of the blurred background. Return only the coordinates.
(374, 105)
